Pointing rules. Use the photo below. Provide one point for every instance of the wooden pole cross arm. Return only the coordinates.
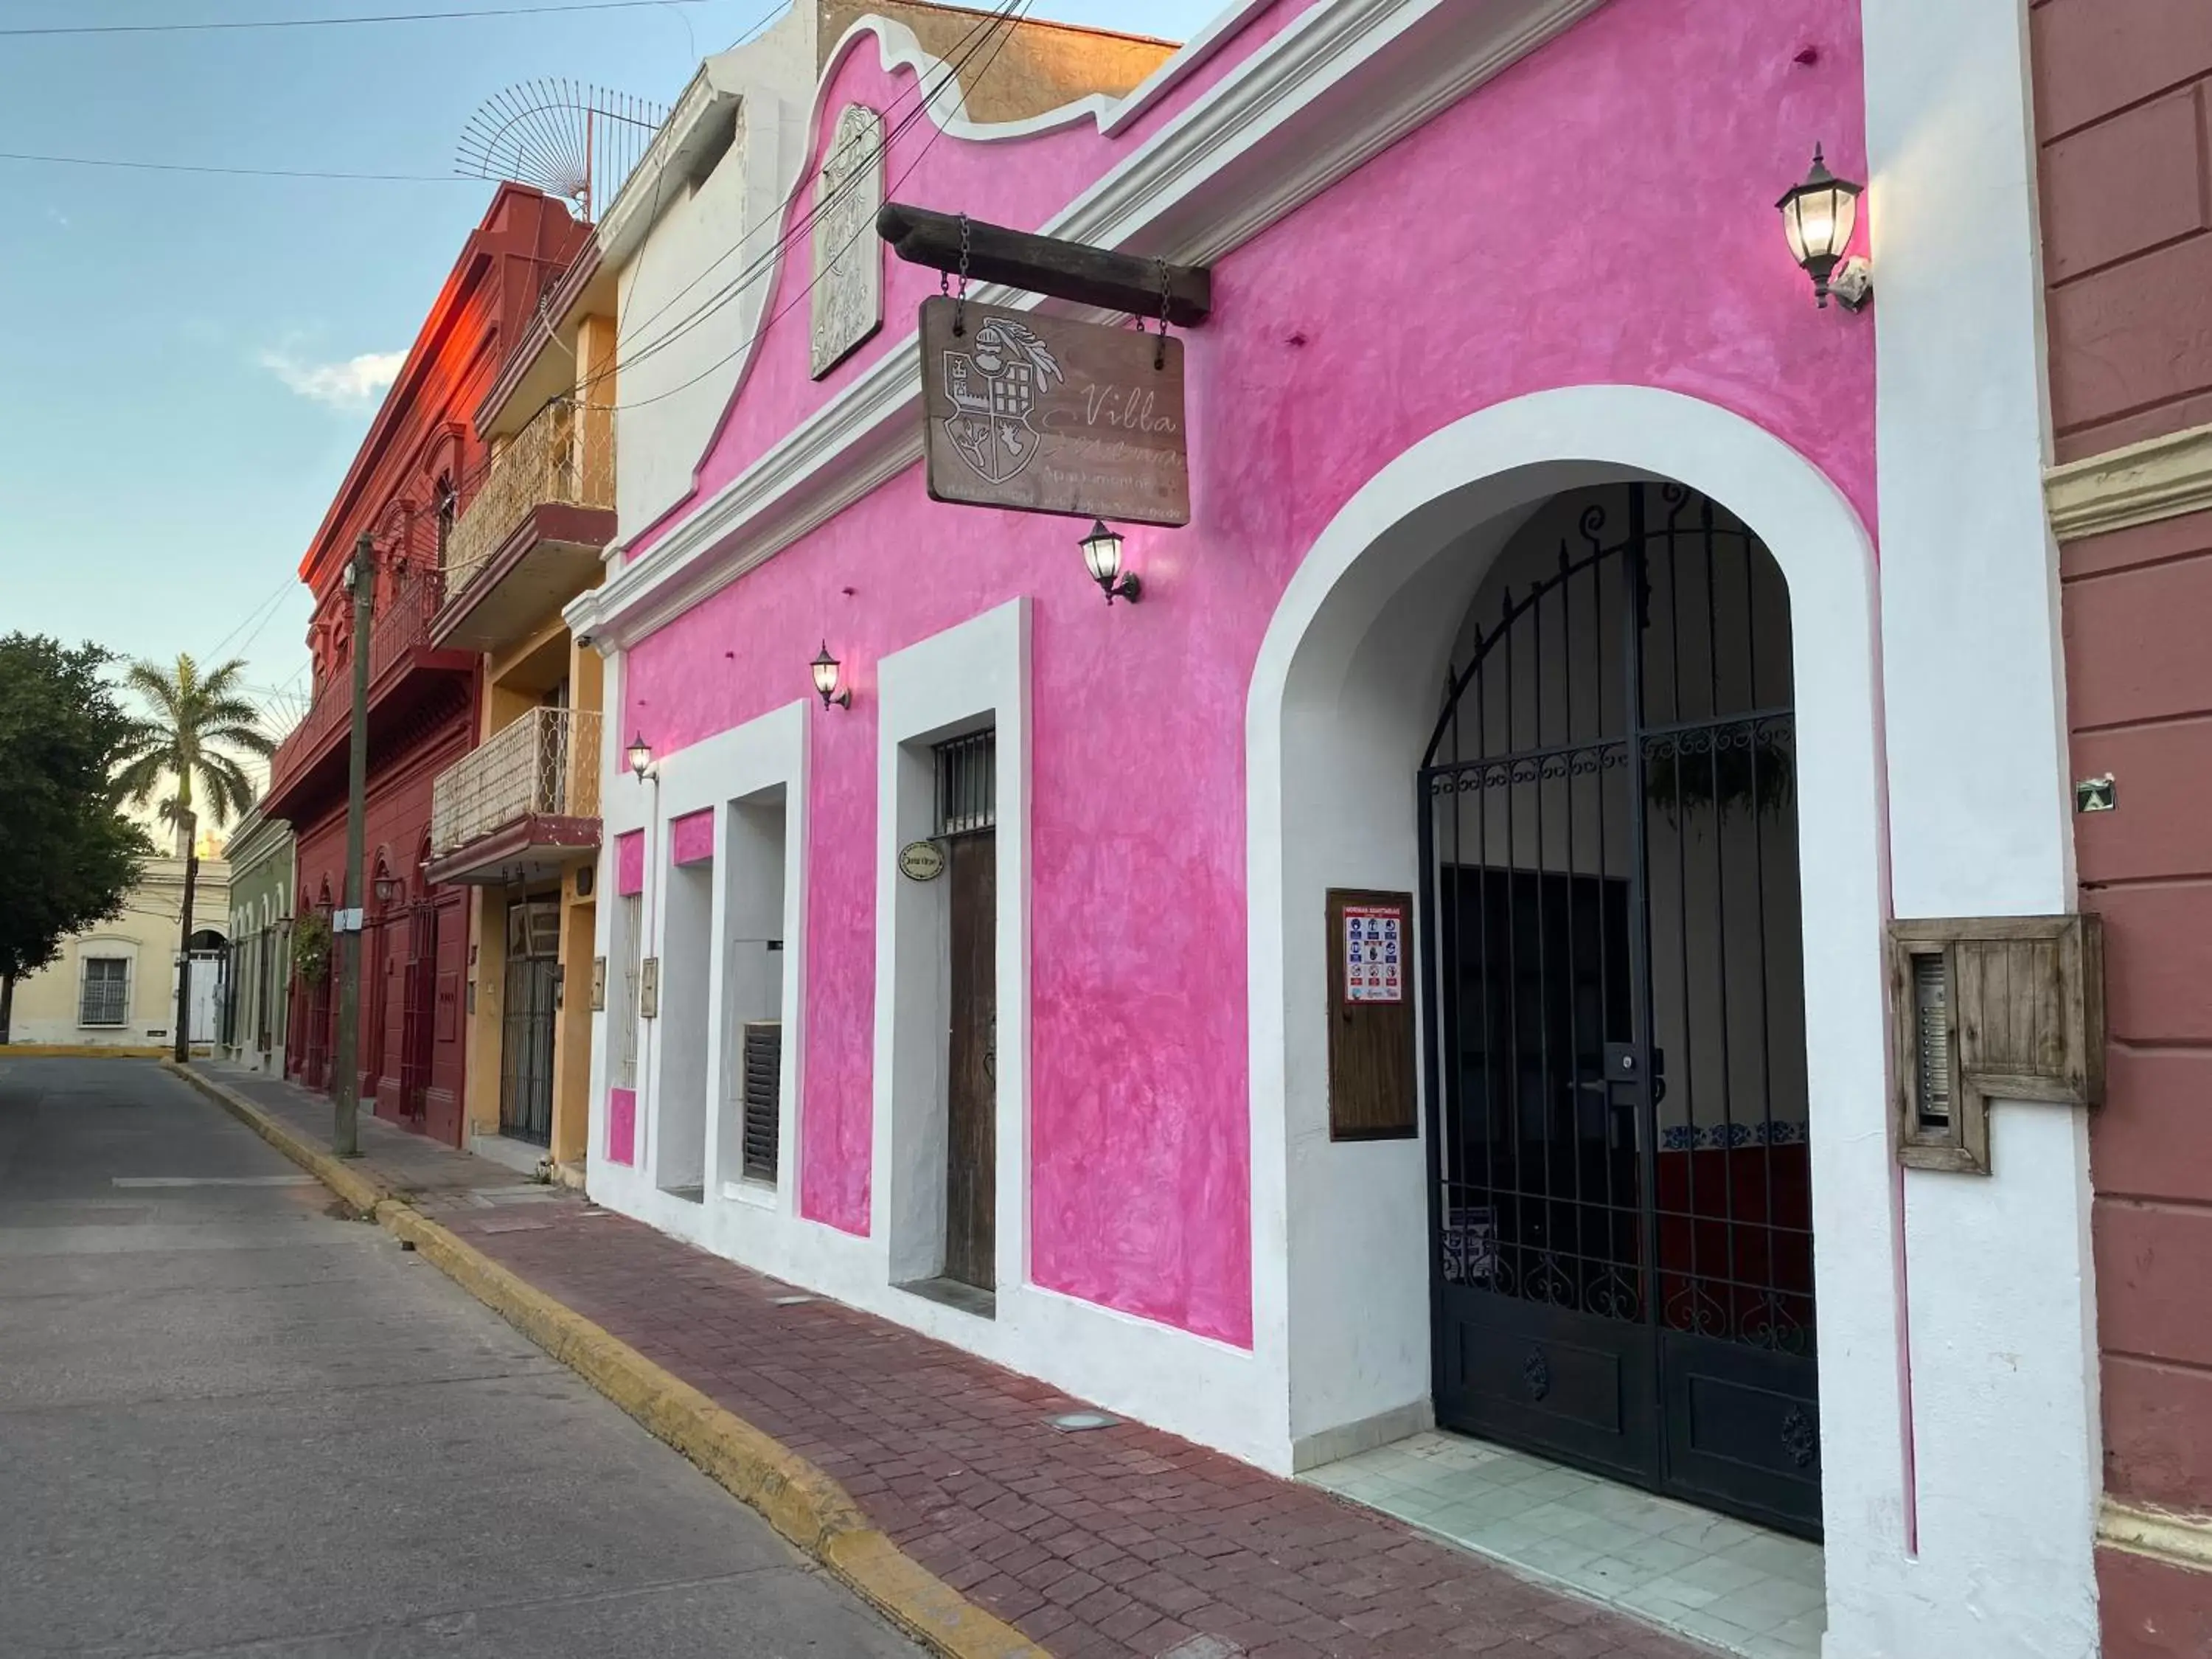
(1046, 264)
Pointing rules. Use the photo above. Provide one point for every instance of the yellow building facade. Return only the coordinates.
(114, 985)
(516, 821)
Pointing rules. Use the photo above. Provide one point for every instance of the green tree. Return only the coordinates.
(196, 723)
(68, 857)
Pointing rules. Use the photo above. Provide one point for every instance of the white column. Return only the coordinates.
(2000, 1296)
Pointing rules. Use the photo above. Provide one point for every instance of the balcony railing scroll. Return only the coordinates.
(410, 598)
(565, 457)
(544, 765)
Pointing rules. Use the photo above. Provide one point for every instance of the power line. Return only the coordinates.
(1009, 15)
(263, 611)
(765, 263)
(239, 172)
(338, 23)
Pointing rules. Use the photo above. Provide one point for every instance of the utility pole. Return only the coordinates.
(182, 1049)
(361, 582)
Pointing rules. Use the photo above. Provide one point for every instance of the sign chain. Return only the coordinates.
(960, 303)
(1160, 348)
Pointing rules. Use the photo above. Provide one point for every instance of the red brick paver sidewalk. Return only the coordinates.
(1111, 1542)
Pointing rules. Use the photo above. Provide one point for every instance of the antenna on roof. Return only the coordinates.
(576, 142)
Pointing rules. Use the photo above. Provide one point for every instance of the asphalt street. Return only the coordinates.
(232, 1424)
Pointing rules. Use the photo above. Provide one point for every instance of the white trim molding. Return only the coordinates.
(970, 677)
(1342, 701)
(1187, 1384)
(1338, 87)
(2161, 477)
(2179, 1540)
(2001, 1331)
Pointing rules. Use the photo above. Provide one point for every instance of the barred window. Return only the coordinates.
(106, 999)
(968, 784)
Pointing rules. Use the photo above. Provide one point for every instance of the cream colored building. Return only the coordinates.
(115, 984)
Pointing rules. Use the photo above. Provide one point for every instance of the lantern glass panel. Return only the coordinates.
(1101, 554)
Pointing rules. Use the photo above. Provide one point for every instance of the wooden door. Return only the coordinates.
(441, 1099)
(416, 1010)
(971, 1071)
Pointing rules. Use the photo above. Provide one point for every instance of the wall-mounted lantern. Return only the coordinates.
(388, 888)
(1818, 216)
(1102, 555)
(825, 668)
(641, 757)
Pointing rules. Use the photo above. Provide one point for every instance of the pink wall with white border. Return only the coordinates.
(1602, 213)
(691, 838)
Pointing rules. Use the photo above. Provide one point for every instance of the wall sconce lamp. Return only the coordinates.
(387, 889)
(1818, 216)
(825, 668)
(1101, 554)
(641, 757)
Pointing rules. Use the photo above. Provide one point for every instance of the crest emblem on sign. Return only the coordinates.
(993, 387)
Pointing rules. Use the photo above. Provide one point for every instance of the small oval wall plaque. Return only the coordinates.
(921, 860)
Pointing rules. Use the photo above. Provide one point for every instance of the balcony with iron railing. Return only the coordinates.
(532, 536)
(522, 805)
(407, 670)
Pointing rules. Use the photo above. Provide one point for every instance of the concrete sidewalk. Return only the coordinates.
(432, 1177)
(1120, 1542)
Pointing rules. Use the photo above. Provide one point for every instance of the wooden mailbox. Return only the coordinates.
(1997, 1008)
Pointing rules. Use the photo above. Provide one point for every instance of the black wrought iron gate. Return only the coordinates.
(1613, 1003)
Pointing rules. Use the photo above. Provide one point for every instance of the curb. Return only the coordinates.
(810, 1510)
(78, 1051)
(362, 1193)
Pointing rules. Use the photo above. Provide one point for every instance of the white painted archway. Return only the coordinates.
(1342, 700)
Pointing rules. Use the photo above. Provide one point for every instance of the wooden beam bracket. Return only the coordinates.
(1046, 264)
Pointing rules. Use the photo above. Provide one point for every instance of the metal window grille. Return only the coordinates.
(763, 1069)
(968, 784)
(1932, 1009)
(632, 921)
(106, 999)
(533, 928)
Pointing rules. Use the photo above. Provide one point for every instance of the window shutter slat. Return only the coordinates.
(763, 1069)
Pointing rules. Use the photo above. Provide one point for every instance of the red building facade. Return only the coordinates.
(2124, 126)
(414, 473)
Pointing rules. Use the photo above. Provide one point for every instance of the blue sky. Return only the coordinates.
(189, 361)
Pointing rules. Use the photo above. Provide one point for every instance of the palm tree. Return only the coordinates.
(197, 721)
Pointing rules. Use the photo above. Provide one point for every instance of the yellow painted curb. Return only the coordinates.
(798, 1500)
(76, 1051)
(360, 1191)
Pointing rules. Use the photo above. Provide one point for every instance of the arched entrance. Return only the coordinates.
(1613, 1003)
(1344, 698)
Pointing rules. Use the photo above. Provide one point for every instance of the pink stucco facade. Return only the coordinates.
(1600, 213)
(629, 863)
(691, 838)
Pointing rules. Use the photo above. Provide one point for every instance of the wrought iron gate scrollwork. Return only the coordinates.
(1536, 1374)
(1612, 987)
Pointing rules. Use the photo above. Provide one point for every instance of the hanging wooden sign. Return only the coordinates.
(1045, 414)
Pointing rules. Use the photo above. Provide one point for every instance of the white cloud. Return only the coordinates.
(350, 384)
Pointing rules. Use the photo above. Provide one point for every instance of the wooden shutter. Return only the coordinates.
(763, 1070)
